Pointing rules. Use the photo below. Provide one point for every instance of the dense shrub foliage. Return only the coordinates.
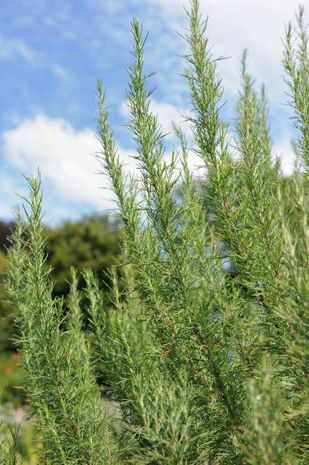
(204, 346)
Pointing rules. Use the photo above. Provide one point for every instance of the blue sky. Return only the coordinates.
(52, 52)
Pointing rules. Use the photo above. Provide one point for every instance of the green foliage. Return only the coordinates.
(61, 390)
(296, 65)
(6, 310)
(9, 449)
(206, 365)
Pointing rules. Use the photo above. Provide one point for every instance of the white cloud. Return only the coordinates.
(257, 25)
(63, 155)
(285, 152)
(61, 73)
(13, 47)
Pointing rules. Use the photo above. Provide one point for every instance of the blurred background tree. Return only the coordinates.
(92, 242)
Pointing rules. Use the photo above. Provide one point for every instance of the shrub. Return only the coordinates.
(207, 363)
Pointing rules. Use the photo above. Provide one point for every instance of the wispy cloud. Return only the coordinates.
(61, 73)
(10, 48)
